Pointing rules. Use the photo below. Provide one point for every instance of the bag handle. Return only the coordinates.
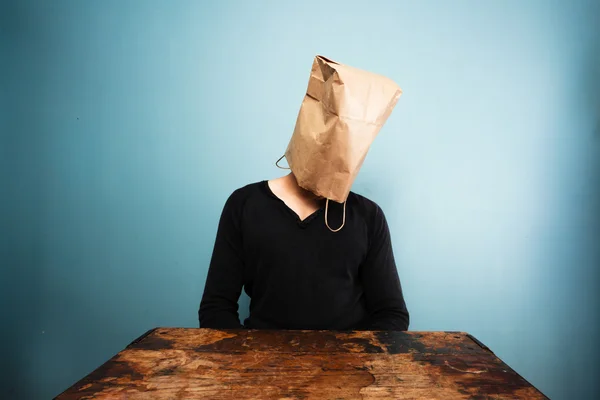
(277, 163)
(343, 218)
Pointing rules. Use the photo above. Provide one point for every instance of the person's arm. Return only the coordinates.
(219, 305)
(381, 284)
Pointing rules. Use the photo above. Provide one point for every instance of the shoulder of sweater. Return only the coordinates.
(367, 209)
(364, 204)
(370, 212)
(239, 196)
(248, 189)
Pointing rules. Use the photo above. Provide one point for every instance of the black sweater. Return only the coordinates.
(299, 274)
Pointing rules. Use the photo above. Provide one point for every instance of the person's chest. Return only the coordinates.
(277, 244)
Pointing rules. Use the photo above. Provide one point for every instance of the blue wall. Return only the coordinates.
(125, 126)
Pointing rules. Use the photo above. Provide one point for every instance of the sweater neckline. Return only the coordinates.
(301, 222)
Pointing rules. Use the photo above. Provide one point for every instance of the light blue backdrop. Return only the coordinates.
(125, 126)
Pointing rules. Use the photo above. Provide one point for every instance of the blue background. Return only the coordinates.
(125, 126)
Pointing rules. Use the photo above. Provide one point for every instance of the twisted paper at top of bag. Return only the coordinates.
(343, 110)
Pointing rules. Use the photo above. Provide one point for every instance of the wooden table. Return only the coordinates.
(172, 363)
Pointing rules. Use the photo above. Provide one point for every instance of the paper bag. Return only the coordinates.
(342, 112)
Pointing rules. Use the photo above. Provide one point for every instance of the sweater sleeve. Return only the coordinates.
(219, 305)
(381, 284)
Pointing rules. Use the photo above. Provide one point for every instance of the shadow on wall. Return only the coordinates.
(592, 82)
(20, 277)
(584, 351)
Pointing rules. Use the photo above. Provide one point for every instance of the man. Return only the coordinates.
(298, 273)
(307, 262)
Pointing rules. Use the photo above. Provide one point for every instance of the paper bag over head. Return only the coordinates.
(343, 110)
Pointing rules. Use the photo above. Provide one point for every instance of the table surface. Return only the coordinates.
(170, 363)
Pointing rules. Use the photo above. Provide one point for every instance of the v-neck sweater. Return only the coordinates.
(298, 273)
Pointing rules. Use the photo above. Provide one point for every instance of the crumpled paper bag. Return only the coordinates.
(343, 110)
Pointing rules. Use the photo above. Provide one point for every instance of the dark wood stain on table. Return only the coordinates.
(168, 363)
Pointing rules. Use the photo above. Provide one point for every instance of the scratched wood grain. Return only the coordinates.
(172, 363)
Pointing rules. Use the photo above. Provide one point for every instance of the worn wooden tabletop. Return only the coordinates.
(172, 363)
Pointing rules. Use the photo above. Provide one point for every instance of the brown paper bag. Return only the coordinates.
(342, 112)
